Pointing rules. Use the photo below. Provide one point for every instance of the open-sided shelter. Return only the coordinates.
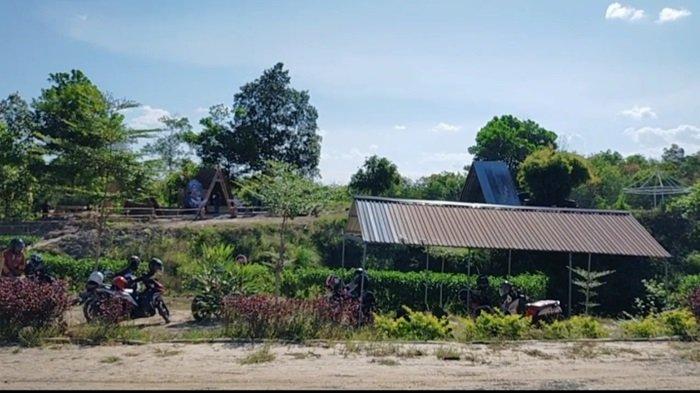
(488, 226)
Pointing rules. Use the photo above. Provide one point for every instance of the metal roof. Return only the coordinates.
(457, 224)
(490, 182)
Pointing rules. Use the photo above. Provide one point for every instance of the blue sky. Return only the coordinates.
(412, 81)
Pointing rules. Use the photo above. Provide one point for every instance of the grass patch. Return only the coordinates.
(262, 355)
(110, 360)
(447, 353)
(167, 352)
(385, 362)
(693, 355)
(411, 352)
(536, 353)
(585, 350)
(303, 355)
(382, 350)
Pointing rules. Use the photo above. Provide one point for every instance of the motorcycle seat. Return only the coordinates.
(544, 303)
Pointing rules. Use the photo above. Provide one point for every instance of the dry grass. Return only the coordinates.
(584, 350)
(447, 353)
(166, 352)
(385, 362)
(303, 355)
(110, 360)
(262, 355)
(536, 353)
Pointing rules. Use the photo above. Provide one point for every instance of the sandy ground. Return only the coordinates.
(526, 365)
(631, 365)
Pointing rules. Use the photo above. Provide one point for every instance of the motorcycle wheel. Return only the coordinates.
(163, 309)
(199, 308)
(90, 310)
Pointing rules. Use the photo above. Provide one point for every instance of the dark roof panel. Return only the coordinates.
(456, 224)
(494, 184)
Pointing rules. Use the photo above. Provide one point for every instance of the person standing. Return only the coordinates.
(13, 259)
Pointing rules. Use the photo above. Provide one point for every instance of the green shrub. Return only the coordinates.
(77, 271)
(393, 289)
(573, 328)
(680, 323)
(642, 328)
(414, 326)
(499, 326)
(685, 287)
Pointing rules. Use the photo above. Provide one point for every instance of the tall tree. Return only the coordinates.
(549, 176)
(377, 177)
(510, 139)
(269, 120)
(19, 161)
(169, 146)
(87, 143)
(286, 193)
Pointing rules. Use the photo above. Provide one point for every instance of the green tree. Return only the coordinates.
(87, 143)
(444, 186)
(549, 176)
(286, 193)
(587, 281)
(268, 121)
(377, 177)
(510, 139)
(168, 148)
(19, 160)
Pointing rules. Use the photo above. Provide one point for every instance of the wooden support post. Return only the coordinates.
(570, 268)
(427, 259)
(509, 256)
(342, 258)
(469, 292)
(442, 271)
(588, 290)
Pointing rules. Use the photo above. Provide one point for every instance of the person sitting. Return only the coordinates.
(13, 259)
(360, 282)
(129, 273)
(36, 270)
(155, 265)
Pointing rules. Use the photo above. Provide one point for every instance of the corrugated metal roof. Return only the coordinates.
(490, 182)
(456, 224)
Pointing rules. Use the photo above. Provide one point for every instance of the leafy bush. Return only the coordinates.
(265, 316)
(413, 326)
(77, 271)
(394, 289)
(496, 325)
(680, 322)
(28, 303)
(573, 328)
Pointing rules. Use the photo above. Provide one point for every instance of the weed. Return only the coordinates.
(585, 350)
(447, 353)
(411, 352)
(693, 355)
(167, 352)
(110, 360)
(385, 362)
(382, 350)
(262, 355)
(303, 355)
(536, 353)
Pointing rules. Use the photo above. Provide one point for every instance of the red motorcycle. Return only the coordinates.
(515, 302)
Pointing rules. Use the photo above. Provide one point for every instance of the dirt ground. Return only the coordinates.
(542, 365)
(351, 365)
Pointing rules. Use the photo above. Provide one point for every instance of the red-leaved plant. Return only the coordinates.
(695, 302)
(265, 316)
(113, 310)
(25, 302)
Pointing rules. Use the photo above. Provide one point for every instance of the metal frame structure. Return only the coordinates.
(657, 184)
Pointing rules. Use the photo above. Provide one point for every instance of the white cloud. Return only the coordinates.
(624, 12)
(671, 14)
(445, 127)
(463, 158)
(399, 127)
(144, 117)
(639, 112)
(686, 136)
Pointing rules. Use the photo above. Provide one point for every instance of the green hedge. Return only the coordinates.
(394, 289)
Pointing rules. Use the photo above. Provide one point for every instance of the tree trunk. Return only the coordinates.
(280, 263)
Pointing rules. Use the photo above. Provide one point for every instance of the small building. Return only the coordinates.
(490, 182)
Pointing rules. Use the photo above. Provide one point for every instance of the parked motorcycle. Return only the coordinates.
(141, 304)
(357, 289)
(515, 302)
(37, 270)
(512, 302)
